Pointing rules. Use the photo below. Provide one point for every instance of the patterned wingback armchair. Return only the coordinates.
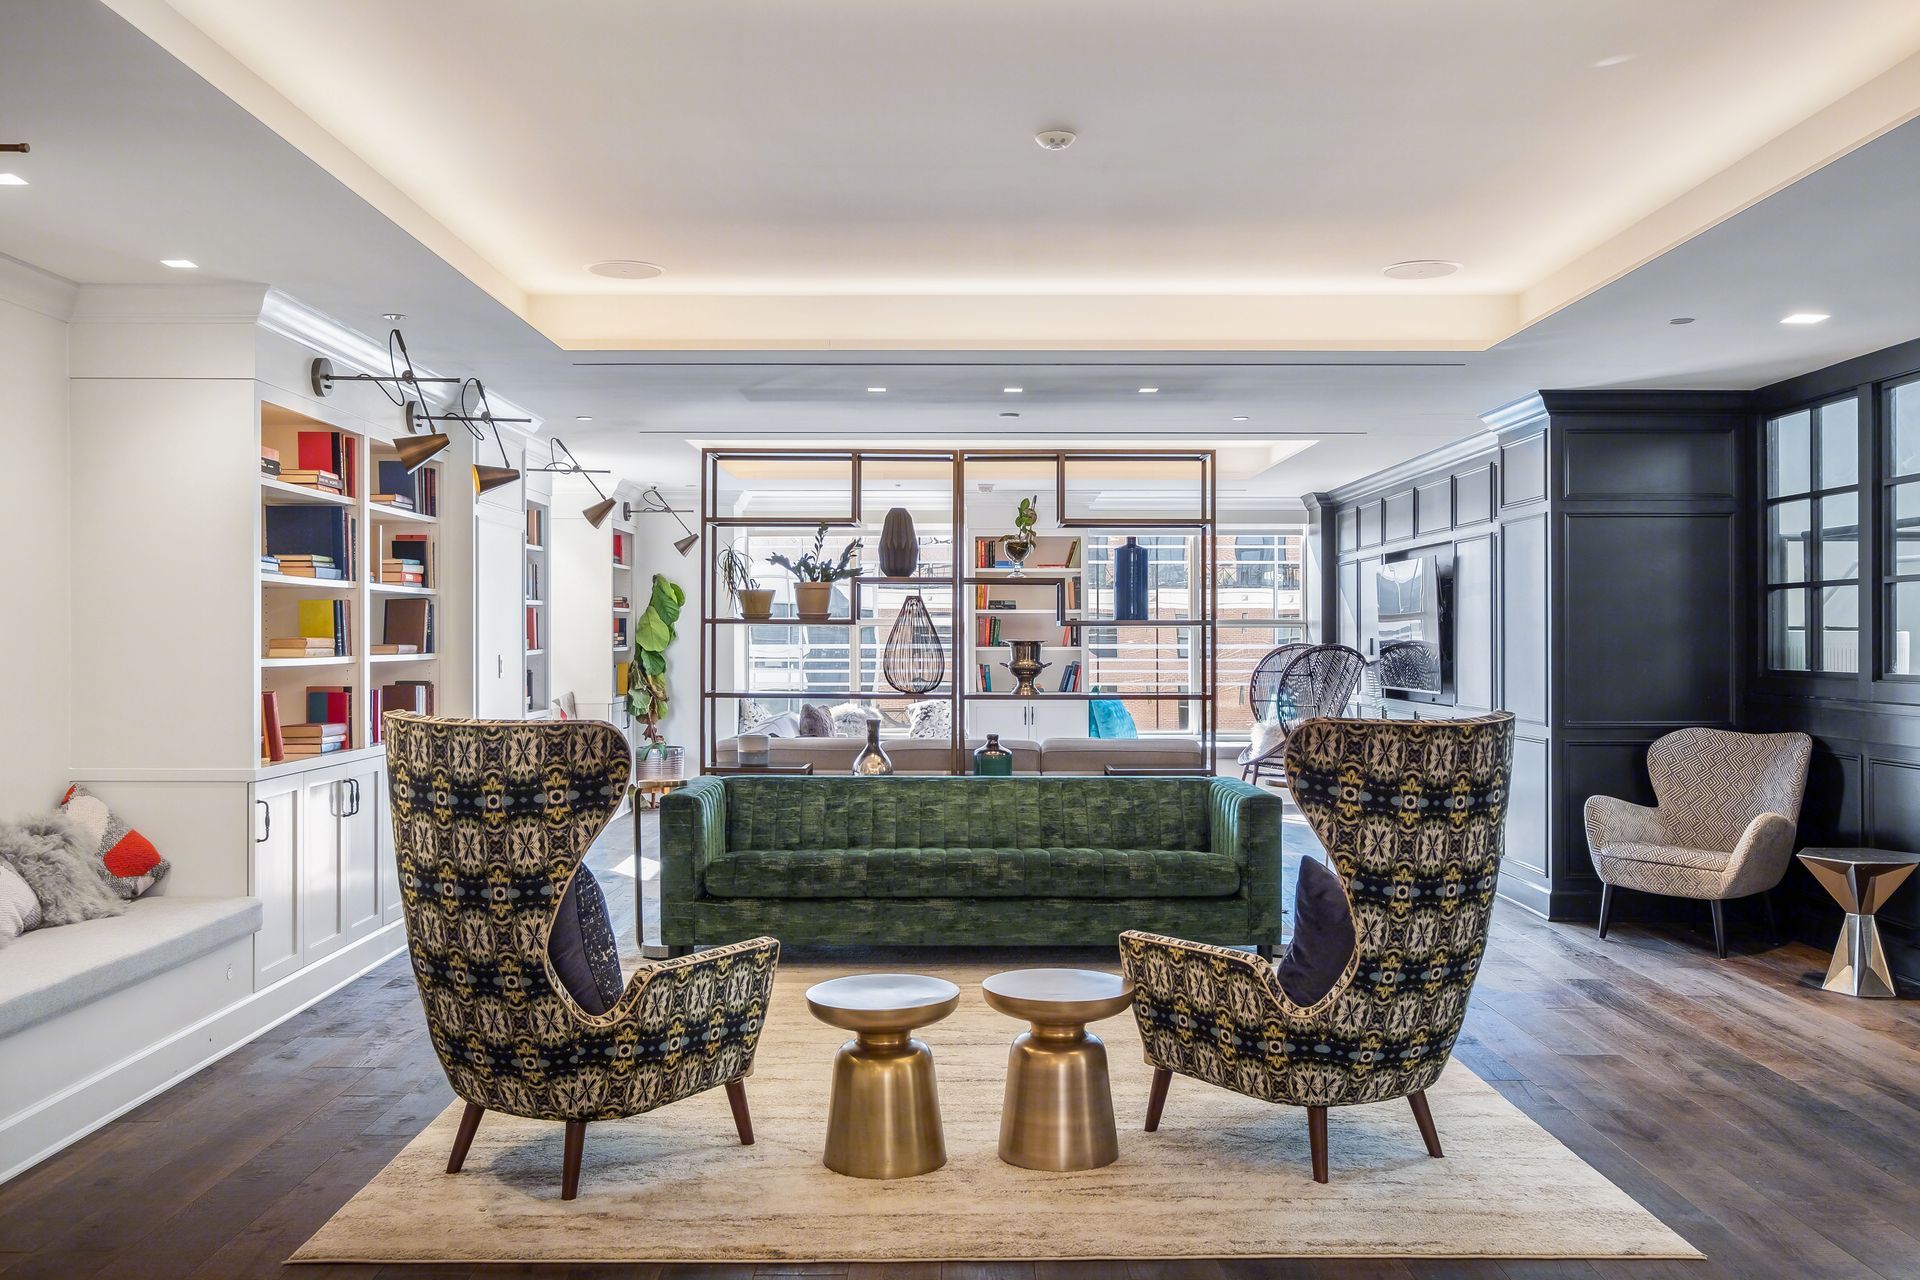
(1728, 806)
(1411, 814)
(490, 821)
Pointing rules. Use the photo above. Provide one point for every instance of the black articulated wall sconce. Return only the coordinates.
(655, 503)
(597, 513)
(417, 448)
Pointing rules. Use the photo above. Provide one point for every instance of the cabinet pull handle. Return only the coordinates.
(354, 783)
(267, 834)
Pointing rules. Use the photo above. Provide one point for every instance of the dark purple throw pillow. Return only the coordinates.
(1323, 937)
(582, 947)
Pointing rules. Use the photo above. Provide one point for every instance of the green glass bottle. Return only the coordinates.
(993, 760)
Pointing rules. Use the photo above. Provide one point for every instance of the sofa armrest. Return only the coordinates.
(693, 832)
(1246, 821)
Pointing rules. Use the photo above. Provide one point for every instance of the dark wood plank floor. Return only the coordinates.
(1775, 1127)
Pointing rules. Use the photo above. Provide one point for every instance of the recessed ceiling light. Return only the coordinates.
(1420, 269)
(1681, 320)
(1148, 391)
(877, 390)
(393, 317)
(1614, 60)
(1805, 317)
(180, 264)
(1240, 417)
(583, 417)
(1013, 391)
(625, 269)
(12, 180)
(1055, 139)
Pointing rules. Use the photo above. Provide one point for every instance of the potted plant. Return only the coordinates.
(647, 690)
(736, 574)
(814, 575)
(1019, 544)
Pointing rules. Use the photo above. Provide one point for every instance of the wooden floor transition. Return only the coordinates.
(1775, 1127)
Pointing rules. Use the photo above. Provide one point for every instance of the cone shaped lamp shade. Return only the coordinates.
(687, 543)
(597, 513)
(416, 451)
(488, 478)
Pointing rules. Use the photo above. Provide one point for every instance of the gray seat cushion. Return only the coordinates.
(1055, 872)
(51, 970)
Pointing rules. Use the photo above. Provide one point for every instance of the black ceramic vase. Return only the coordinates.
(899, 552)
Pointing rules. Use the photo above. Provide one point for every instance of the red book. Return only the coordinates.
(373, 717)
(273, 746)
(330, 704)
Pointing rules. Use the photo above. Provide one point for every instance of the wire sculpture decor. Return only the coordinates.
(914, 661)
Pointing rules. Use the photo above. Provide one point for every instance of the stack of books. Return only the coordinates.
(308, 567)
(269, 461)
(270, 564)
(303, 741)
(396, 648)
(402, 573)
(329, 481)
(299, 647)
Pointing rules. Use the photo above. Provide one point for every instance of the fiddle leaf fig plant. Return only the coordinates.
(653, 631)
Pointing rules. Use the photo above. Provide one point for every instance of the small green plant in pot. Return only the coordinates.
(736, 575)
(1019, 544)
(814, 575)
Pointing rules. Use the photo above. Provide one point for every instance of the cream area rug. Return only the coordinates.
(1226, 1176)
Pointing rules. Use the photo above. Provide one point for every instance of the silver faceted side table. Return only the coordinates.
(1861, 881)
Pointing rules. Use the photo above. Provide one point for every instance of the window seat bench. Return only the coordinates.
(49, 971)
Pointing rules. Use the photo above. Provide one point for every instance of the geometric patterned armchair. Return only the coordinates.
(1723, 827)
(1411, 815)
(490, 822)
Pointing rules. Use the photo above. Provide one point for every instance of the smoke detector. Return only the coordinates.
(1054, 139)
(1420, 269)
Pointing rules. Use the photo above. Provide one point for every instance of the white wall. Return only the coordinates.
(653, 552)
(35, 525)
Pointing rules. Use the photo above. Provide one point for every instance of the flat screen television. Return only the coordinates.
(1413, 643)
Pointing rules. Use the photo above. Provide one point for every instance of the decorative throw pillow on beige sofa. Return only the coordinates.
(19, 909)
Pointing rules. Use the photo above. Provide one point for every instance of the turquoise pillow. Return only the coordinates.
(1108, 718)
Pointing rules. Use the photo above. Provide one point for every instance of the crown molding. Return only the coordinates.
(169, 303)
(36, 290)
(1401, 474)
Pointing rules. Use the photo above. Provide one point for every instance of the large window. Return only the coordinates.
(1257, 574)
(1901, 518)
(1813, 539)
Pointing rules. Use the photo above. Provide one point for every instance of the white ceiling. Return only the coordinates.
(137, 158)
(862, 172)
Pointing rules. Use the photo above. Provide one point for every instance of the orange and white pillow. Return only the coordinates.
(128, 861)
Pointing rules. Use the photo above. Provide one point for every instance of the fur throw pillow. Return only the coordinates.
(54, 857)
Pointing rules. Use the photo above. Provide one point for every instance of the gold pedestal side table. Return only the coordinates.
(883, 1120)
(1861, 881)
(1057, 1113)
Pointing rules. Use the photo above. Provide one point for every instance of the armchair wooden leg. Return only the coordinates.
(674, 953)
(1719, 927)
(570, 1168)
(463, 1140)
(742, 1119)
(1424, 1118)
(1317, 1135)
(1606, 908)
(1264, 950)
(1157, 1096)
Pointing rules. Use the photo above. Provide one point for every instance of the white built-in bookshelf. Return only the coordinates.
(354, 581)
(1026, 604)
(534, 591)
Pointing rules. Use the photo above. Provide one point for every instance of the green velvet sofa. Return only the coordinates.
(944, 860)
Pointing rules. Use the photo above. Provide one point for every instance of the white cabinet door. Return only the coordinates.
(360, 850)
(323, 875)
(276, 880)
(499, 596)
(388, 868)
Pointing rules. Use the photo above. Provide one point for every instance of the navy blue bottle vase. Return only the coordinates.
(1130, 582)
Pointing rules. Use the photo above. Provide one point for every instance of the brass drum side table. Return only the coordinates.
(1861, 881)
(884, 1117)
(1057, 1113)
